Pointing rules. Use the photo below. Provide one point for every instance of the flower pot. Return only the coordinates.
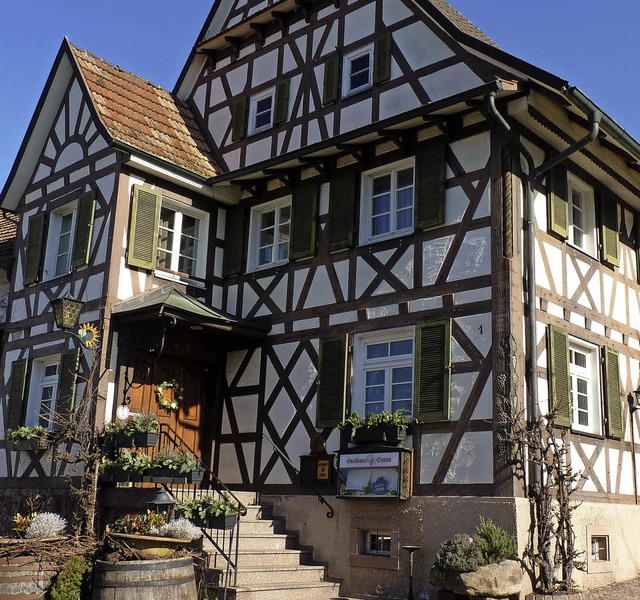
(40, 444)
(390, 435)
(145, 440)
(150, 546)
(220, 522)
(162, 475)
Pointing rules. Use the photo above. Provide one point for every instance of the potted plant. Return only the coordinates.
(34, 437)
(211, 512)
(173, 466)
(482, 565)
(378, 428)
(140, 431)
(128, 465)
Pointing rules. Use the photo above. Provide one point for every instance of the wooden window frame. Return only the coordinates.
(253, 111)
(590, 245)
(595, 565)
(594, 396)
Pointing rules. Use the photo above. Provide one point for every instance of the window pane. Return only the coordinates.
(381, 225)
(375, 377)
(359, 72)
(373, 409)
(190, 226)
(265, 255)
(268, 219)
(405, 178)
(401, 347)
(382, 185)
(381, 205)
(377, 350)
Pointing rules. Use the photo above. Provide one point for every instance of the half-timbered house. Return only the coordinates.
(343, 207)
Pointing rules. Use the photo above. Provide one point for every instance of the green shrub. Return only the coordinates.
(460, 554)
(494, 542)
(72, 580)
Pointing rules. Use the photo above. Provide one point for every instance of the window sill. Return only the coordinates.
(586, 253)
(387, 236)
(179, 278)
(272, 265)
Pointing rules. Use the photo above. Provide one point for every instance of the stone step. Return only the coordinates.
(282, 558)
(322, 590)
(293, 575)
(249, 526)
(268, 542)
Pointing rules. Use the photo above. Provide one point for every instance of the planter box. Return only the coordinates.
(145, 440)
(391, 435)
(221, 522)
(121, 476)
(150, 546)
(195, 477)
(32, 444)
(158, 475)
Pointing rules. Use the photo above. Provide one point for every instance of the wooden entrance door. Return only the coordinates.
(193, 421)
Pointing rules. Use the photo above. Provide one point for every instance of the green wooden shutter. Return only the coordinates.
(558, 201)
(342, 210)
(84, 227)
(69, 363)
(15, 412)
(34, 248)
(239, 115)
(304, 211)
(433, 371)
(143, 229)
(558, 376)
(382, 59)
(613, 405)
(430, 184)
(332, 381)
(609, 230)
(331, 85)
(234, 241)
(281, 113)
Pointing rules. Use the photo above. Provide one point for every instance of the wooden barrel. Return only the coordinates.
(169, 579)
(24, 578)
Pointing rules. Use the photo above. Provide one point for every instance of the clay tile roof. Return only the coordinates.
(145, 116)
(8, 228)
(461, 22)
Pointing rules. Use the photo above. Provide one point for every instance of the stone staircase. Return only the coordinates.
(271, 565)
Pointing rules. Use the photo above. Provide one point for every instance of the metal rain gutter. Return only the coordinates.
(532, 177)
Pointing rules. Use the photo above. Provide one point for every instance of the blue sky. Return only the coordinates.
(592, 45)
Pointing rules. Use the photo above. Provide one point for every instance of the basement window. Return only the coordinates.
(599, 550)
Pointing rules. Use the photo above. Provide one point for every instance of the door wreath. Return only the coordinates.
(178, 392)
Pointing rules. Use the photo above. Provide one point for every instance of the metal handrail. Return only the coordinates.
(321, 498)
(212, 483)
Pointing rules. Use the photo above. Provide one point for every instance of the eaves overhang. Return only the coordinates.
(380, 130)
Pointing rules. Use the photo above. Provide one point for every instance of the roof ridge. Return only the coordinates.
(77, 49)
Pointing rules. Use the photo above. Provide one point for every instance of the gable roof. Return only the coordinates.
(144, 116)
(133, 114)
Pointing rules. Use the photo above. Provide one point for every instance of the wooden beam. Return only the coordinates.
(234, 42)
(305, 7)
(282, 19)
(261, 30)
(319, 165)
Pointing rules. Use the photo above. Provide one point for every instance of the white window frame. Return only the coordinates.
(366, 212)
(584, 235)
(253, 110)
(591, 375)
(255, 229)
(181, 210)
(38, 381)
(361, 365)
(347, 72)
(54, 240)
(595, 563)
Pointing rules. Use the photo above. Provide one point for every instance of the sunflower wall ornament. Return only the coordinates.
(178, 394)
(89, 335)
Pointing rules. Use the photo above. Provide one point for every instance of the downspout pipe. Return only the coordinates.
(532, 178)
